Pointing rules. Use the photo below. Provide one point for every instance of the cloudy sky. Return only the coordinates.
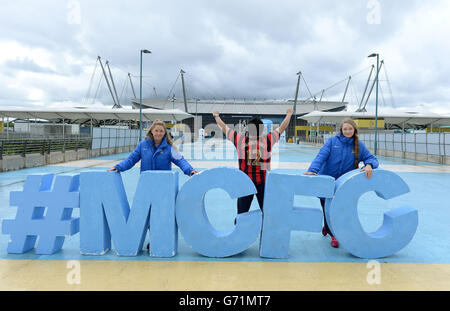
(228, 49)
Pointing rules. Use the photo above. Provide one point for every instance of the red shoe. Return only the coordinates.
(334, 242)
(324, 231)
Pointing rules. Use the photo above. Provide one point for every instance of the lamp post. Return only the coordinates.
(376, 103)
(299, 74)
(140, 96)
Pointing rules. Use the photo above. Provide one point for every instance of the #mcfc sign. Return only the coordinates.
(46, 203)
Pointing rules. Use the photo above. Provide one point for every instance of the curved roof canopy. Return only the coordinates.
(398, 118)
(83, 114)
(251, 107)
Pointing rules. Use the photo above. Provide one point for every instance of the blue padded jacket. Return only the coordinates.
(154, 157)
(336, 157)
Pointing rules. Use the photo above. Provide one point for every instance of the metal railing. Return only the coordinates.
(316, 139)
(23, 146)
(101, 138)
(421, 143)
(437, 144)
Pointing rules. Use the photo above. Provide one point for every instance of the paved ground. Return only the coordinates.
(312, 265)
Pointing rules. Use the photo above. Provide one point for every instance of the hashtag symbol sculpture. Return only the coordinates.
(43, 211)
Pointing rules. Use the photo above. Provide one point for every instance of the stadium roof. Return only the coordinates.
(398, 118)
(82, 114)
(264, 107)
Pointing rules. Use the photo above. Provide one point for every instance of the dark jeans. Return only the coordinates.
(243, 203)
(322, 202)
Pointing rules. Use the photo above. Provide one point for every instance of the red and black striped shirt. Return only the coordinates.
(254, 154)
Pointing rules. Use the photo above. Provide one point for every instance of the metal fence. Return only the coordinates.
(24, 146)
(100, 138)
(110, 138)
(420, 143)
(317, 139)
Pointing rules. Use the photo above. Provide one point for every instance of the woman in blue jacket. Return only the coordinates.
(156, 152)
(339, 155)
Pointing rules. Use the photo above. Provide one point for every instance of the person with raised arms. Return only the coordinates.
(254, 153)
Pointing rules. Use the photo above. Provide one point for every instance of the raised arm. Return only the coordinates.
(286, 121)
(220, 123)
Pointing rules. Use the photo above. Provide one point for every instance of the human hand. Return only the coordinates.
(216, 113)
(309, 173)
(112, 169)
(193, 173)
(367, 170)
(290, 111)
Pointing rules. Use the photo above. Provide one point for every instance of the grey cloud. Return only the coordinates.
(39, 24)
(26, 64)
(227, 48)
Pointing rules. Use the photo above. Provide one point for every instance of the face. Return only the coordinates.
(348, 130)
(158, 133)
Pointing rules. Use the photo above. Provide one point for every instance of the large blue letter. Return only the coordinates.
(399, 225)
(193, 221)
(280, 215)
(105, 213)
(43, 211)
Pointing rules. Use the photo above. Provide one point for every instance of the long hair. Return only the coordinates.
(161, 123)
(355, 139)
(254, 124)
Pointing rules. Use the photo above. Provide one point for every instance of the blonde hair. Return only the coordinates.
(355, 139)
(155, 124)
